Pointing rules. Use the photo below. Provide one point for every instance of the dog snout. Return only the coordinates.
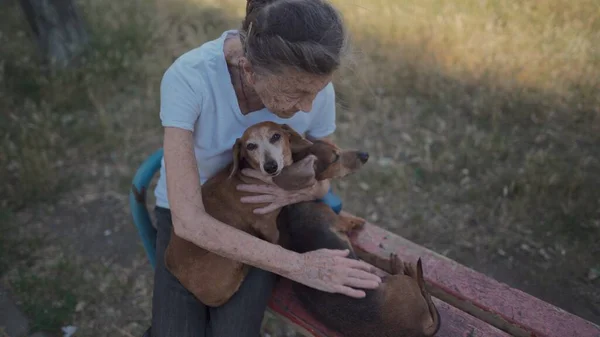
(270, 166)
(362, 156)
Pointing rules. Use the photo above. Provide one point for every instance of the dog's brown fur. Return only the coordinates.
(213, 279)
(399, 307)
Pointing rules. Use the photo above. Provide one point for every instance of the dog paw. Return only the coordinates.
(348, 223)
(395, 264)
(357, 223)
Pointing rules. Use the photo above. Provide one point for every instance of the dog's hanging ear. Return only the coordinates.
(237, 148)
(298, 143)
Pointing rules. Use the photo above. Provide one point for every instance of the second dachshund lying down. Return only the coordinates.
(399, 307)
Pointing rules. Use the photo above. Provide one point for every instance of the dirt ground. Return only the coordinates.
(482, 126)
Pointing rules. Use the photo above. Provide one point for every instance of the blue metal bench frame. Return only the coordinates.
(139, 210)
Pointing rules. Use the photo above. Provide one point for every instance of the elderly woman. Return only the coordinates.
(277, 67)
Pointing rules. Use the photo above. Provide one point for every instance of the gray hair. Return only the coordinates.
(308, 35)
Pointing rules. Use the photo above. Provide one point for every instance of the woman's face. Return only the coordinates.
(290, 91)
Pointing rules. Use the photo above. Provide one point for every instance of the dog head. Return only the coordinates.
(333, 162)
(268, 147)
(413, 310)
(319, 161)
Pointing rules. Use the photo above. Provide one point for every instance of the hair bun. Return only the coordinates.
(253, 5)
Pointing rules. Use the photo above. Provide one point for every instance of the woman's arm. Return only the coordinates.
(326, 270)
(191, 222)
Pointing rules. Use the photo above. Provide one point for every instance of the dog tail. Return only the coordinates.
(434, 322)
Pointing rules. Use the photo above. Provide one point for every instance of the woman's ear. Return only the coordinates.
(247, 70)
(237, 148)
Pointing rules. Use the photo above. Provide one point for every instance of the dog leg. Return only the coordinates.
(347, 223)
(396, 265)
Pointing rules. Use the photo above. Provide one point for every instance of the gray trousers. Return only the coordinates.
(177, 313)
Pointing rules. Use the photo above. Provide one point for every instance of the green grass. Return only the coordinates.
(58, 119)
(49, 299)
(45, 292)
(15, 247)
(482, 118)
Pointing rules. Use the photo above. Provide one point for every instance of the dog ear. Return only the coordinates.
(237, 151)
(298, 143)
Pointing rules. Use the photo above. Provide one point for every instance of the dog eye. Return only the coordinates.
(251, 146)
(275, 137)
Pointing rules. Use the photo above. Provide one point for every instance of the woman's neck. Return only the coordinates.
(248, 99)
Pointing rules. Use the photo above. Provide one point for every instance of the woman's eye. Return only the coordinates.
(275, 137)
(251, 146)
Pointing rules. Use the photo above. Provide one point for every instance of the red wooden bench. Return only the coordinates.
(470, 304)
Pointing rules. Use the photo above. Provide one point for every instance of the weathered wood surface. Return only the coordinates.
(58, 29)
(509, 309)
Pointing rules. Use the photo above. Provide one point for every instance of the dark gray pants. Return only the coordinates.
(177, 313)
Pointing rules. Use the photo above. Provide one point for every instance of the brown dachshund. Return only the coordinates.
(399, 307)
(267, 146)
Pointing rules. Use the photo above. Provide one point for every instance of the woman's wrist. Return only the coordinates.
(317, 191)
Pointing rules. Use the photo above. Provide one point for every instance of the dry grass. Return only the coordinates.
(482, 119)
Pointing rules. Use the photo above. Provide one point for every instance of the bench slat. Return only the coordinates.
(455, 323)
(496, 303)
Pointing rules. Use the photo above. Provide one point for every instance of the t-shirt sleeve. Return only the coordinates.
(323, 123)
(179, 101)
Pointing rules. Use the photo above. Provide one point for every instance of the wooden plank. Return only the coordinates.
(496, 303)
(455, 323)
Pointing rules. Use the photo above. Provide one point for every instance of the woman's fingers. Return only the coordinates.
(350, 291)
(267, 189)
(363, 275)
(358, 264)
(361, 283)
(267, 209)
(258, 198)
(340, 274)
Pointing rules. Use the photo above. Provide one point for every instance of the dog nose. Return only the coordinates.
(270, 166)
(363, 156)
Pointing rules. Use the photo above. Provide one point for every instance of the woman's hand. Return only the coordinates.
(331, 271)
(298, 179)
(272, 194)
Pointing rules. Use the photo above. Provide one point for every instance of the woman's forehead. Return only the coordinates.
(300, 81)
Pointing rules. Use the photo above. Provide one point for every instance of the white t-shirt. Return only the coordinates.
(197, 95)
